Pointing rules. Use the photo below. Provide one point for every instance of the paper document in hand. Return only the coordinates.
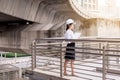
(77, 35)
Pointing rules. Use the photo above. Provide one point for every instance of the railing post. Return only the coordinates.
(117, 58)
(107, 57)
(33, 50)
(31, 56)
(104, 64)
(61, 60)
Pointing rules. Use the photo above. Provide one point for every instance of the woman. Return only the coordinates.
(70, 51)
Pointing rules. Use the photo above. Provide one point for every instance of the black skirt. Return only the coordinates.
(70, 51)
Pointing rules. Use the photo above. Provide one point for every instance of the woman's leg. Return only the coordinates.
(72, 67)
(65, 66)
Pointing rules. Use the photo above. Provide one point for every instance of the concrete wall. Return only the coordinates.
(101, 28)
(108, 28)
(20, 37)
(89, 27)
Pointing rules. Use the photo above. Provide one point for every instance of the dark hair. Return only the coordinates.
(68, 26)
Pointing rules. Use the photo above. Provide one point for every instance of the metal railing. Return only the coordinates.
(96, 59)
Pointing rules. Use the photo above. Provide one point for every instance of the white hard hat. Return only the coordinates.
(69, 21)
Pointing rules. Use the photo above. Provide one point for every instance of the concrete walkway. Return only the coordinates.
(83, 71)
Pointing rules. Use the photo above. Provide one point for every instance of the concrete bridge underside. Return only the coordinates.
(22, 21)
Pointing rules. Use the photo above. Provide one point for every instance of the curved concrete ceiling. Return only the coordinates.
(8, 18)
(29, 9)
(78, 9)
(46, 15)
(50, 14)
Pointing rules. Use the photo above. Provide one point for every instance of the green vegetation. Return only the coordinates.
(11, 55)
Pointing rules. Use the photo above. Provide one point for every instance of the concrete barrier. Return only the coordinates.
(40, 76)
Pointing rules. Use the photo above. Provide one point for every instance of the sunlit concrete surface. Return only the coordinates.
(20, 62)
(9, 72)
(50, 67)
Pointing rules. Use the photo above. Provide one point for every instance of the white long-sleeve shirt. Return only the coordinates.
(69, 34)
